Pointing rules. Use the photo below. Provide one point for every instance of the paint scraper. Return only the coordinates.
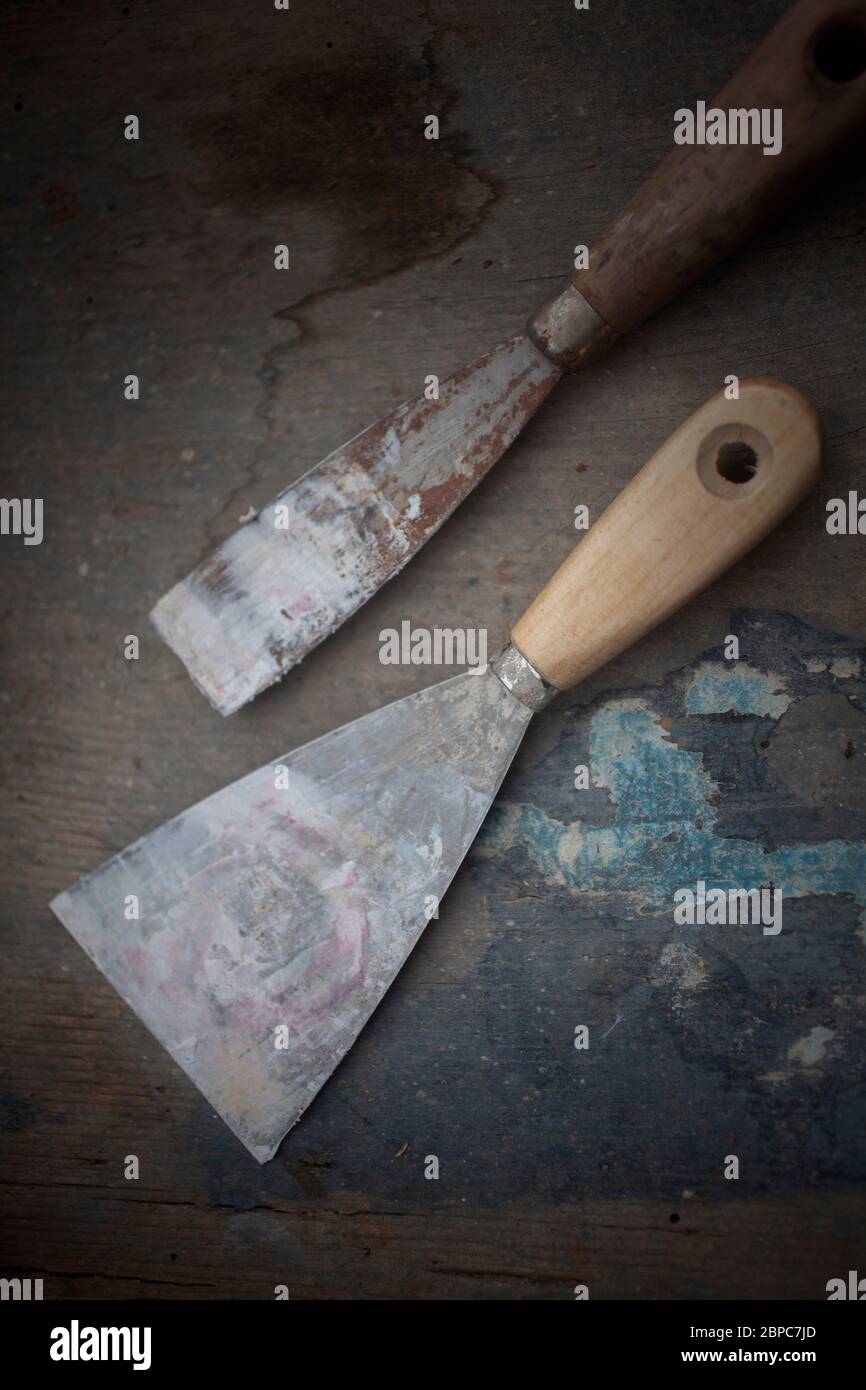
(256, 933)
(281, 584)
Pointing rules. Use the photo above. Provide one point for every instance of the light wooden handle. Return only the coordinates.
(706, 200)
(717, 487)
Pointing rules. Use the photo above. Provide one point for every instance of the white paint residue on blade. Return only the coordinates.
(297, 574)
(272, 915)
(432, 853)
(272, 592)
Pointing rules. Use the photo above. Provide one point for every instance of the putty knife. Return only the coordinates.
(256, 933)
(277, 587)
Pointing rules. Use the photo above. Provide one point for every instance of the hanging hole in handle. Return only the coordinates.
(733, 460)
(839, 49)
(737, 461)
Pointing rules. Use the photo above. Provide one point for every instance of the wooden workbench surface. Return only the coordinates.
(558, 1167)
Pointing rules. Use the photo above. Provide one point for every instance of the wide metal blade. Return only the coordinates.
(265, 908)
(281, 584)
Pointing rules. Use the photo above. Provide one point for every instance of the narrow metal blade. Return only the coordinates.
(264, 908)
(278, 586)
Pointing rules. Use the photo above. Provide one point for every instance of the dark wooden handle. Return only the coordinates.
(705, 201)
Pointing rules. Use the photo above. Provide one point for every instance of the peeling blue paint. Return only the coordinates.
(661, 790)
(737, 687)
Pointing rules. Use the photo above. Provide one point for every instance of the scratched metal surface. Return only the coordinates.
(290, 900)
(158, 259)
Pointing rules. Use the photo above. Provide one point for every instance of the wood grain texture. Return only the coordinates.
(678, 525)
(409, 257)
(707, 200)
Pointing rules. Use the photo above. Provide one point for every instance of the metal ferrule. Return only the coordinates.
(521, 679)
(569, 331)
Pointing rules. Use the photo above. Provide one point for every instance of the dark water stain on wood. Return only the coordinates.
(349, 137)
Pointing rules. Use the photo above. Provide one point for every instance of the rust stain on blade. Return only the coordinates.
(279, 586)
